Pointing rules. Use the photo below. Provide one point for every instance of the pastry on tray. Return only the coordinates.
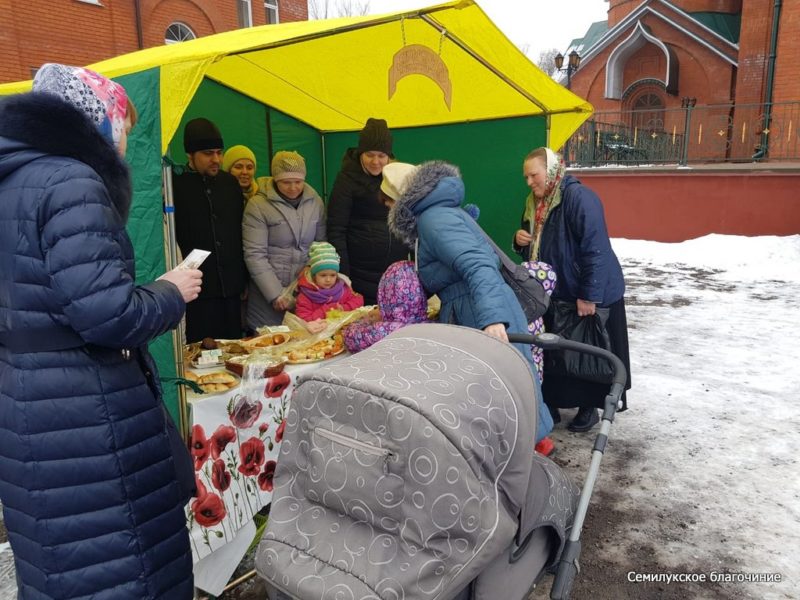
(321, 350)
(216, 382)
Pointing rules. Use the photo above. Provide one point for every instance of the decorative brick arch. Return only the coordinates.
(615, 65)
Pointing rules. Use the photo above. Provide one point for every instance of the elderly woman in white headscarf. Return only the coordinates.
(563, 225)
(93, 474)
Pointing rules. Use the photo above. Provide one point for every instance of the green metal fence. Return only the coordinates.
(691, 134)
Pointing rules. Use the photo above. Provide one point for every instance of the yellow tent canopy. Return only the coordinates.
(449, 83)
(437, 65)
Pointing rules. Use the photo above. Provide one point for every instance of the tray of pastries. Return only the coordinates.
(216, 382)
(267, 340)
(321, 350)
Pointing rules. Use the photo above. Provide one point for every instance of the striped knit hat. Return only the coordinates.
(288, 165)
(321, 256)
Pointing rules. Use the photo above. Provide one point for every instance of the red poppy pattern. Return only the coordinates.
(223, 436)
(199, 447)
(251, 454)
(279, 432)
(220, 477)
(209, 510)
(235, 465)
(265, 478)
(276, 385)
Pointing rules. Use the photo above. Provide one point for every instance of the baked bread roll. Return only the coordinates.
(213, 388)
(218, 377)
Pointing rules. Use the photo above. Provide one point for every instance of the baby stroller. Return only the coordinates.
(407, 472)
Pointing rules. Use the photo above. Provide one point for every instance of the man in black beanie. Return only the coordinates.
(208, 215)
(356, 222)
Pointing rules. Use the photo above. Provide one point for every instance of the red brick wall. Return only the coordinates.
(619, 9)
(673, 206)
(722, 6)
(292, 11)
(787, 72)
(702, 74)
(73, 32)
(753, 50)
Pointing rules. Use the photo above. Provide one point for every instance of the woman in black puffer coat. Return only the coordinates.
(356, 218)
(93, 475)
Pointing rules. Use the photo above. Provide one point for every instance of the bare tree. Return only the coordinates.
(547, 61)
(329, 9)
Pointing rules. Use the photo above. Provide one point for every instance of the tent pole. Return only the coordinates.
(324, 170)
(171, 256)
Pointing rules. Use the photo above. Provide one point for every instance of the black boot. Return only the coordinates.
(584, 420)
(555, 414)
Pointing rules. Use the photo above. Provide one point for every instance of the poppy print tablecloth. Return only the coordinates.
(235, 439)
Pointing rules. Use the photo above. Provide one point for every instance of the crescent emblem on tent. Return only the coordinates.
(417, 59)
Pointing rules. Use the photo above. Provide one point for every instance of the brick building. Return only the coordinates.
(82, 32)
(652, 59)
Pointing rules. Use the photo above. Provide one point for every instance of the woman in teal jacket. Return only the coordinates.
(454, 259)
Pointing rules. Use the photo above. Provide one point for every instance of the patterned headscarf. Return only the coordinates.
(102, 100)
(537, 210)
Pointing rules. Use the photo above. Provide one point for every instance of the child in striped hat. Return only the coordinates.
(321, 287)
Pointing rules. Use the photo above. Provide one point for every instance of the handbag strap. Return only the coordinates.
(509, 264)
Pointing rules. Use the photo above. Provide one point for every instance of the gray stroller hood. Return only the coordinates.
(407, 469)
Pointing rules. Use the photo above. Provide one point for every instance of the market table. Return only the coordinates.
(235, 440)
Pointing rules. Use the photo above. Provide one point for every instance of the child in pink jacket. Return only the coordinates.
(321, 288)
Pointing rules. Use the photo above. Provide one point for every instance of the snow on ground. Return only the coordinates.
(701, 475)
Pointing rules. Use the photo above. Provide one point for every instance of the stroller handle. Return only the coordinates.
(551, 341)
(567, 565)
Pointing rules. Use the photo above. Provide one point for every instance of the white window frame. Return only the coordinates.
(248, 6)
(271, 5)
(179, 24)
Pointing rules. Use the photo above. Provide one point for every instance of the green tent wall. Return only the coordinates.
(489, 154)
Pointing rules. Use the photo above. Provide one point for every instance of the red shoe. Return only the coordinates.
(545, 447)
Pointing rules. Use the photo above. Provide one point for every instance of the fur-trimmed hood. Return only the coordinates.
(419, 195)
(44, 125)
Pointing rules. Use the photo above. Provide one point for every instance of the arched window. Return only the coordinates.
(178, 32)
(648, 112)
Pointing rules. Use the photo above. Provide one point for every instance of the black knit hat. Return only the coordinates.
(201, 134)
(375, 137)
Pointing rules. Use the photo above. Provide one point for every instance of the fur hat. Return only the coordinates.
(395, 179)
(375, 137)
(235, 153)
(321, 256)
(288, 165)
(201, 134)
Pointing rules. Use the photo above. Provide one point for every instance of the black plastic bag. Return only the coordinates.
(562, 319)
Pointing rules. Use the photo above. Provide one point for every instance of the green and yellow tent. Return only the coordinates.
(447, 80)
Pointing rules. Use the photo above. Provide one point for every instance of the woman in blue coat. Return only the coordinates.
(563, 225)
(93, 476)
(454, 259)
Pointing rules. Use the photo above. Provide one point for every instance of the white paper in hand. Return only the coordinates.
(194, 260)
